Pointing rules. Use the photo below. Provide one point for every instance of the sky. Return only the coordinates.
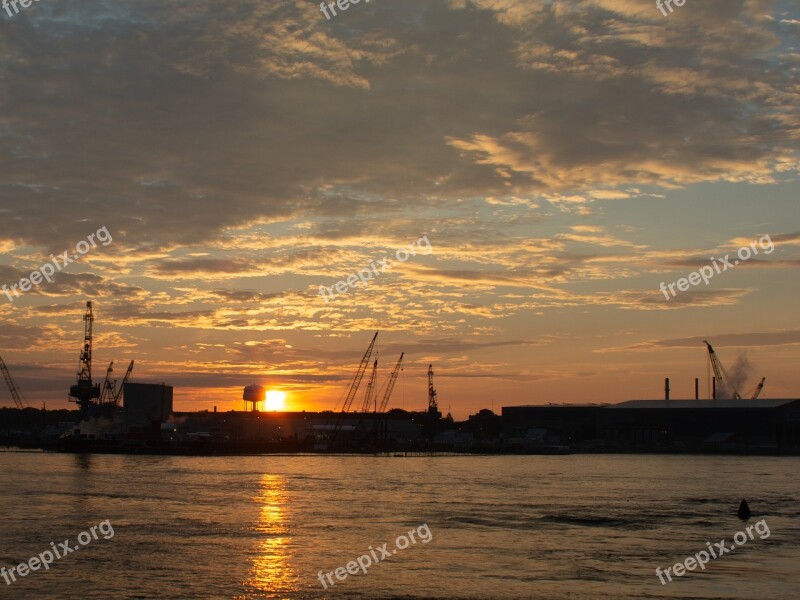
(562, 158)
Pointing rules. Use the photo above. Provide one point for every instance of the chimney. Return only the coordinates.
(666, 389)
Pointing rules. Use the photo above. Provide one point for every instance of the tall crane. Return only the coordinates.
(108, 390)
(351, 394)
(84, 391)
(370, 393)
(390, 384)
(433, 407)
(121, 388)
(720, 375)
(12, 387)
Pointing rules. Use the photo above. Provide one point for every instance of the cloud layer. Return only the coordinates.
(243, 154)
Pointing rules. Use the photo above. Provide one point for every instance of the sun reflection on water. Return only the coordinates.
(271, 575)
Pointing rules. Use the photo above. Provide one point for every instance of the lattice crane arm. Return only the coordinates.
(107, 384)
(12, 387)
(719, 371)
(390, 384)
(759, 388)
(370, 388)
(351, 394)
(118, 394)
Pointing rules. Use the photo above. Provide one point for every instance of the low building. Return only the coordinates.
(255, 427)
(663, 424)
(552, 423)
(710, 424)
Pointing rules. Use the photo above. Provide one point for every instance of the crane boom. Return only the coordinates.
(121, 389)
(390, 384)
(759, 388)
(370, 388)
(719, 371)
(351, 394)
(12, 387)
(108, 385)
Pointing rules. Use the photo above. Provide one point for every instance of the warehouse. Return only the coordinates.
(663, 424)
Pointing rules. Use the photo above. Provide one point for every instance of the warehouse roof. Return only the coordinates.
(763, 403)
(703, 403)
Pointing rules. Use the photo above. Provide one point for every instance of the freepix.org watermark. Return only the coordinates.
(366, 560)
(705, 273)
(342, 4)
(47, 270)
(365, 275)
(702, 558)
(23, 3)
(46, 558)
(660, 5)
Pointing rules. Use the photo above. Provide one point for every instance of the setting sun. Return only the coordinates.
(275, 400)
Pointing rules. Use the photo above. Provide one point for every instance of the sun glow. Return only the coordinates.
(275, 400)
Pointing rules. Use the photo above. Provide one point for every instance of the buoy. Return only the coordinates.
(744, 510)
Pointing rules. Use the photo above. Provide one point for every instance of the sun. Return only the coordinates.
(275, 400)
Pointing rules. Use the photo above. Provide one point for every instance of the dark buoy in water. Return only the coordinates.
(744, 510)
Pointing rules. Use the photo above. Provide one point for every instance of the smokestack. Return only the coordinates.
(697, 388)
(666, 388)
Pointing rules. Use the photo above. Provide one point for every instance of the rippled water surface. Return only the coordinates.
(500, 527)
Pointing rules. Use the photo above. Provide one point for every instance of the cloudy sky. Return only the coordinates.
(563, 157)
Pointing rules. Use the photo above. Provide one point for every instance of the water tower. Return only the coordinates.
(254, 394)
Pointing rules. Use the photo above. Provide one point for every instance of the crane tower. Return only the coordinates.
(433, 407)
(84, 391)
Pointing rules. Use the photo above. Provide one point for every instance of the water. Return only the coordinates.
(551, 527)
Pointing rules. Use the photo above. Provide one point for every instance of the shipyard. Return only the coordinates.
(423, 300)
(139, 418)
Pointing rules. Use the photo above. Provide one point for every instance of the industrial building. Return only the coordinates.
(146, 406)
(558, 424)
(691, 425)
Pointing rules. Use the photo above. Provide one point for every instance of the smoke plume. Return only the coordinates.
(737, 377)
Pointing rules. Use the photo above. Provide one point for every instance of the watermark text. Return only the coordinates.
(47, 270)
(705, 273)
(46, 558)
(702, 558)
(367, 560)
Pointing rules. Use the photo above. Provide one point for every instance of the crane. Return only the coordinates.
(119, 392)
(432, 405)
(12, 387)
(720, 375)
(758, 389)
(84, 391)
(370, 388)
(108, 391)
(390, 384)
(351, 394)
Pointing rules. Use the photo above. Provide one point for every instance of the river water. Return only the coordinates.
(581, 526)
